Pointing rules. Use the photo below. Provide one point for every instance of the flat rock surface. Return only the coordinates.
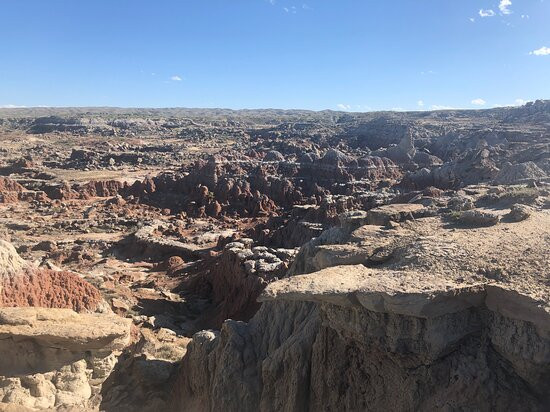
(65, 328)
(403, 292)
(429, 258)
(396, 212)
(512, 254)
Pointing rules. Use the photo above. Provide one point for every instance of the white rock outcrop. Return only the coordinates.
(53, 358)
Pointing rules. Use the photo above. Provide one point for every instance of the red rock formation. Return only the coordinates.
(101, 188)
(10, 190)
(8, 185)
(62, 191)
(49, 289)
(236, 184)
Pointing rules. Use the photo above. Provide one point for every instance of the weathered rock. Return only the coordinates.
(395, 212)
(49, 289)
(234, 280)
(427, 327)
(150, 244)
(519, 212)
(519, 173)
(274, 156)
(461, 203)
(10, 190)
(10, 262)
(478, 217)
(53, 357)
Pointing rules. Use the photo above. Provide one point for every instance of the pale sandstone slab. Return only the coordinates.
(65, 328)
(401, 292)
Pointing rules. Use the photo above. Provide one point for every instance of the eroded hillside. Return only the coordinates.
(173, 259)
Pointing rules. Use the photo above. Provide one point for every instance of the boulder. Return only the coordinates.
(274, 156)
(478, 217)
(519, 212)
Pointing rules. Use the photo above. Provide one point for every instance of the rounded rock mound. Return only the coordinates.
(518, 173)
(274, 156)
(10, 262)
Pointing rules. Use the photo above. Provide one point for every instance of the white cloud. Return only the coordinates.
(176, 79)
(397, 109)
(343, 106)
(420, 103)
(517, 102)
(286, 9)
(486, 13)
(272, 2)
(479, 102)
(363, 107)
(11, 106)
(504, 6)
(472, 19)
(525, 16)
(543, 51)
(440, 107)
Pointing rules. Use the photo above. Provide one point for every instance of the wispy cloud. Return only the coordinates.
(517, 102)
(363, 107)
(472, 19)
(486, 13)
(354, 107)
(543, 51)
(504, 6)
(478, 102)
(10, 106)
(176, 78)
(420, 103)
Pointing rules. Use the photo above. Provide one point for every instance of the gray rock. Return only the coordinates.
(519, 212)
(478, 217)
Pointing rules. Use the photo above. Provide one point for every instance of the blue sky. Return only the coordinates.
(358, 55)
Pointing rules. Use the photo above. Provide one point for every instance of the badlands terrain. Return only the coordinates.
(270, 260)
